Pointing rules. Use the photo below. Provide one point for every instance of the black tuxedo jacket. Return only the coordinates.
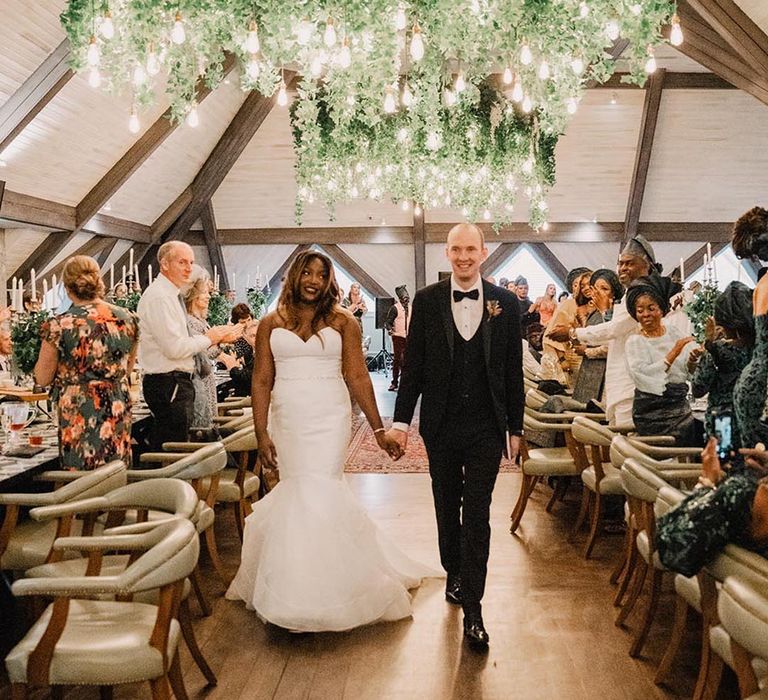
(429, 358)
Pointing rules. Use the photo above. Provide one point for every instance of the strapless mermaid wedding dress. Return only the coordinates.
(312, 560)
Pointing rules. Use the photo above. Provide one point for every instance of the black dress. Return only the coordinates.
(749, 393)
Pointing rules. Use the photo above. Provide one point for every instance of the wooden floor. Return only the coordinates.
(548, 613)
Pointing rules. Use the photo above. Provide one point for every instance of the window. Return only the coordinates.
(727, 268)
(524, 262)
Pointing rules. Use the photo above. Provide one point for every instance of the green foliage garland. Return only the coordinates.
(700, 308)
(25, 335)
(130, 301)
(219, 309)
(257, 301)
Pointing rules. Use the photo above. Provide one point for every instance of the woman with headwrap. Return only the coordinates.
(717, 365)
(657, 360)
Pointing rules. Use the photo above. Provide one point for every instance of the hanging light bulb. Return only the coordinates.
(636, 9)
(153, 63)
(107, 28)
(345, 55)
(329, 38)
(417, 210)
(544, 70)
(527, 166)
(676, 32)
(282, 95)
(464, 212)
(577, 65)
(178, 35)
(405, 206)
(433, 141)
(94, 77)
(407, 98)
(517, 90)
(417, 44)
(543, 206)
(401, 21)
(304, 31)
(507, 77)
(572, 105)
(390, 104)
(612, 29)
(316, 67)
(253, 68)
(252, 44)
(449, 97)
(350, 100)
(354, 192)
(545, 226)
(650, 64)
(525, 55)
(402, 134)
(487, 215)
(93, 52)
(139, 75)
(527, 104)
(133, 122)
(460, 84)
(193, 118)
(583, 10)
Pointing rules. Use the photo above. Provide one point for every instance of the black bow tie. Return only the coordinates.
(473, 294)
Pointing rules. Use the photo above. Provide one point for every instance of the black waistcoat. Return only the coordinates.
(469, 394)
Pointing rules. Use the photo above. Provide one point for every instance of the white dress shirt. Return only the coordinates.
(165, 344)
(467, 313)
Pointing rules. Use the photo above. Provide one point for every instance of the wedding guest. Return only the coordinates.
(726, 507)
(241, 313)
(398, 320)
(197, 295)
(562, 296)
(503, 282)
(512, 287)
(637, 259)
(241, 373)
(355, 304)
(87, 354)
(167, 350)
(31, 305)
(6, 346)
(657, 359)
(545, 305)
(717, 365)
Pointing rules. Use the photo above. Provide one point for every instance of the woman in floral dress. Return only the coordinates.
(87, 354)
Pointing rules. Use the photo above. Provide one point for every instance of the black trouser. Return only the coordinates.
(463, 463)
(398, 357)
(171, 398)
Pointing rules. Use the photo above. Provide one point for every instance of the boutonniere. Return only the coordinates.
(493, 308)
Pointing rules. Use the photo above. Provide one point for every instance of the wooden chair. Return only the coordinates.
(81, 641)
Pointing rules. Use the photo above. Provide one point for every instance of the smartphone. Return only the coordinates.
(724, 434)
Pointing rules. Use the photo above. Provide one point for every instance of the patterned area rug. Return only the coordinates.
(365, 456)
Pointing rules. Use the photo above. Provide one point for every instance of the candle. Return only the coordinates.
(55, 290)
(738, 274)
(149, 274)
(682, 271)
(234, 281)
(709, 251)
(111, 277)
(13, 293)
(136, 276)
(130, 259)
(20, 296)
(714, 270)
(123, 274)
(33, 284)
(247, 281)
(216, 276)
(45, 293)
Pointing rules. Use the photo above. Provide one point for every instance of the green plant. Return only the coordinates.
(700, 308)
(25, 335)
(219, 309)
(130, 301)
(257, 301)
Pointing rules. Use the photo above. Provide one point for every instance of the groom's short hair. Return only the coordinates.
(474, 227)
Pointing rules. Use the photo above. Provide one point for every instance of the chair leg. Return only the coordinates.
(160, 689)
(641, 571)
(526, 488)
(629, 570)
(57, 692)
(621, 564)
(194, 579)
(213, 552)
(710, 675)
(586, 497)
(106, 692)
(18, 691)
(650, 612)
(176, 679)
(596, 520)
(675, 640)
(557, 493)
(188, 632)
(237, 509)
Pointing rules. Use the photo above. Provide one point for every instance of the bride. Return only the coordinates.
(312, 560)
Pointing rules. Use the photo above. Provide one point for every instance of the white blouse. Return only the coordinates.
(645, 361)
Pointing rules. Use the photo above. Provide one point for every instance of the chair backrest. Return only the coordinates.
(750, 567)
(667, 499)
(98, 482)
(640, 482)
(531, 423)
(244, 440)
(743, 611)
(672, 471)
(535, 399)
(206, 461)
(590, 432)
(175, 546)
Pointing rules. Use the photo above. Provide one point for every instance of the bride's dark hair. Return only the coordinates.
(327, 309)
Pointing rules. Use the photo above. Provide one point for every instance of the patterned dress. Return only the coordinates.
(90, 389)
(749, 393)
(205, 386)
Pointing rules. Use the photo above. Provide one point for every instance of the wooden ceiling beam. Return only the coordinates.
(654, 89)
(93, 246)
(132, 159)
(672, 81)
(355, 270)
(695, 261)
(34, 93)
(549, 260)
(747, 40)
(42, 255)
(498, 257)
(275, 284)
(211, 235)
(419, 249)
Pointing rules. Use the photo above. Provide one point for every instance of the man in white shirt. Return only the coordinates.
(167, 350)
(636, 260)
(6, 346)
(464, 358)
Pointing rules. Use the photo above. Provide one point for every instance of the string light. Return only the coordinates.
(507, 77)
(316, 67)
(583, 10)
(650, 64)
(329, 38)
(133, 122)
(304, 31)
(417, 210)
(572, 105)
(405, 206)
(93, 56)
(526, 57)
(527, 104)
(94, 77)
(253, 68)
(345, 55)
(577, 65)
(139, 75)
(401, 21)
(390, 104)
(193, 118)
(252, 44)
(636, 9)
(449, 98)
(487, 215)
(433, 141)
(544, 70)
(461, 84)
(153, 63)
(107, 28)
(282, 95)
(402, 134)
(178, 34)
(612, 30)
(407, 98)
(417, 44)
(517, 90)
(676, 32)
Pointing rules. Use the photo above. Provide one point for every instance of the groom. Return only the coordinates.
(464, 358)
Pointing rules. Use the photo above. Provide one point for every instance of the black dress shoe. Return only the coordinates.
(475, 633)
(392, 387)
(453, 590)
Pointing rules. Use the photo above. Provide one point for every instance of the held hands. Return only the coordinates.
(387, 443)
(400, 437)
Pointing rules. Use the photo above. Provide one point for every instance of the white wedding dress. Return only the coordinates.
(312, 560)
